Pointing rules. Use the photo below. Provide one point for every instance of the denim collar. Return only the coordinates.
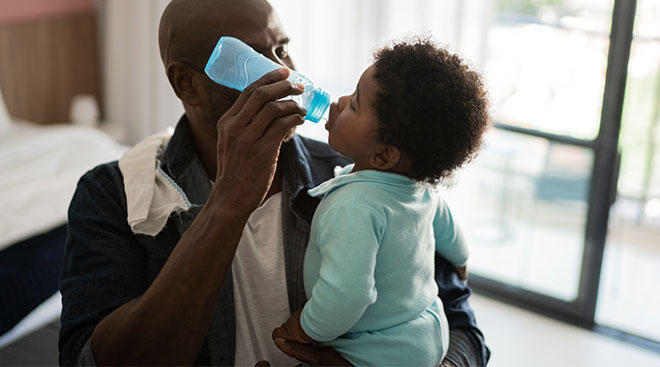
(181, 161)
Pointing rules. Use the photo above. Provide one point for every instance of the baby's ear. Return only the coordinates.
(385, 157)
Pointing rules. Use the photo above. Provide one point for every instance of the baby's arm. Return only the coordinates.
(449, 241)
(349, 238)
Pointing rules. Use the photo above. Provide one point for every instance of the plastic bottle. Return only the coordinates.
(236, 65)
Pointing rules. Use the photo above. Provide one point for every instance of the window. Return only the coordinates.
(535, 204)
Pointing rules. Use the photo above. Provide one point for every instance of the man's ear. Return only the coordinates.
(184, 81)
(385, 157)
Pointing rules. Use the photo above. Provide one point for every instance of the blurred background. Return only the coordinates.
(561, 208)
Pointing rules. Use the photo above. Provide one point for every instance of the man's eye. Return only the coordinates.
(282, 52)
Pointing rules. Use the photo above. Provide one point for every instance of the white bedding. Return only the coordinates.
(39, 169)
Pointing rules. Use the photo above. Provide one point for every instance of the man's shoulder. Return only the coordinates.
(99, 198)
(106, 175)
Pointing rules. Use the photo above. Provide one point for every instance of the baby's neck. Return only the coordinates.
(402, 168)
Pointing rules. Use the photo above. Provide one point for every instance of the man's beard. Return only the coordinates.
(221, 104)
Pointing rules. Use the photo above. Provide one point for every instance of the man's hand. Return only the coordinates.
(294, 342)
(291, 330)
(462, 272)
(311, 354)
(250, 134)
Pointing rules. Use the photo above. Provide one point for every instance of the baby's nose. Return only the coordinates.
(341, 103)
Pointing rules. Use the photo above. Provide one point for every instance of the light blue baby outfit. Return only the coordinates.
(369, 269)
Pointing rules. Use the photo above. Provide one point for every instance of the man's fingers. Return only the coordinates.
(279, 332)
(268, 78)
(462, 272)
(265, 94)
(279, 129)
(272, 111)
(296, 350)
(311, 354)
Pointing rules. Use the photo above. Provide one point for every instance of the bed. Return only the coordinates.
(48, 55)
(40, 166)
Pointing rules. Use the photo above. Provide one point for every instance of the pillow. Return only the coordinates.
(5, 121)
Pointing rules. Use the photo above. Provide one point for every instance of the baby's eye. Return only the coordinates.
(351, 105)
(282, 51)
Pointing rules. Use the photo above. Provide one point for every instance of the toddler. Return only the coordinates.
(417, 114)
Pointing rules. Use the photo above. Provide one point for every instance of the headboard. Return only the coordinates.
(47, 58)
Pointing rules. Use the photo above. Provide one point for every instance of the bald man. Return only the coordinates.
(211, 286)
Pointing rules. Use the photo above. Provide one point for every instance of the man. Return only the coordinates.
(192, 294)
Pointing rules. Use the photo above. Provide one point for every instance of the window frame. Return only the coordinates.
(602, 194)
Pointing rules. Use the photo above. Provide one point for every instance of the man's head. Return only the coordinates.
(189, 29)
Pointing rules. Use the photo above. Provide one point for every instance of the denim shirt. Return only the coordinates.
(106, 265)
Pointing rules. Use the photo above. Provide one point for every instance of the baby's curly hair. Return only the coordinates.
(430, 105)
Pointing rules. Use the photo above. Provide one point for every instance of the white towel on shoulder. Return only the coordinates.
(151, 195)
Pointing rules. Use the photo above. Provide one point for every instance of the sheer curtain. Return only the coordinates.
(137, 96)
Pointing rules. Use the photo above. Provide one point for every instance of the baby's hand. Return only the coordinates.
(292, 330)
(462, 271)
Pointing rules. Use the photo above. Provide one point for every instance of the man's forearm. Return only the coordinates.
(167, 324)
